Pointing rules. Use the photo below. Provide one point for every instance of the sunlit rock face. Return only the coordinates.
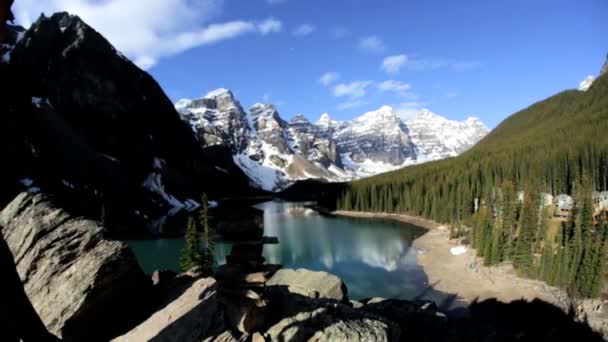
(274, 153)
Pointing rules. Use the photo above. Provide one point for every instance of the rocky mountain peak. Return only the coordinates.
(266, 116)
(219, 92)
(299, 119)
(383, 114)
(605, 66)
(476, 122)
(426, 115)
(273, 152)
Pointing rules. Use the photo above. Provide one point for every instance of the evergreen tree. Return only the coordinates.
(191, 253)
(207, 256)
(591, 244)
(522, 258)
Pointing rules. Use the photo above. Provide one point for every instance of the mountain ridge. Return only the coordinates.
(275, 152)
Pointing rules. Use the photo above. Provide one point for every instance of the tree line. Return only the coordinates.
(556, 146)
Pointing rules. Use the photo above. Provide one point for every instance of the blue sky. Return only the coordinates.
(457, 58)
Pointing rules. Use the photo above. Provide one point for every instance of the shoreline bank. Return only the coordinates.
(464, 275)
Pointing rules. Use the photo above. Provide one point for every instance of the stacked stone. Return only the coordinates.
(242, 280)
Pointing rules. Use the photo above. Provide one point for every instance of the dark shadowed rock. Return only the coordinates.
(18, 318)
(300, 318)
(91, 121)
(84, 287)
(190, 316)
(418, 320)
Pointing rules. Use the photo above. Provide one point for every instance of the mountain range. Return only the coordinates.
(274, 152)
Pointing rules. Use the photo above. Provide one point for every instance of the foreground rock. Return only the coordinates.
(189, 317)
(84, 288)
(310, 284)
(18, 319)
(311, 320)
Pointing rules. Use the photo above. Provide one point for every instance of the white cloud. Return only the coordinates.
(397, 87)
(435, 64)
(351, 104)
(372, 44)
(270, 25)
(392, 64)
(304, 30)
(409, 110)
(329, 77)
(146, 31)
(586, 83)
(354, 90)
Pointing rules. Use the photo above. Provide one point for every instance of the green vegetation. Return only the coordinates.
(555, 146)
(191, 253)
(207, 259)
(198, 248)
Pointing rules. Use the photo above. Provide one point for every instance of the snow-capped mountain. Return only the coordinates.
(436, 137)
(274, 152)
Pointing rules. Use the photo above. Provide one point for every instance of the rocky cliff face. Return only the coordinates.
(274, 153)
(271, 151)
(84, 287)
(83, 119)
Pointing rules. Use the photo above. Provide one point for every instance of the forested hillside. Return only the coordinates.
(559, 145)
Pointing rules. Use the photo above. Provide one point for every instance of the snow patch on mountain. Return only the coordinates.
(274, 153)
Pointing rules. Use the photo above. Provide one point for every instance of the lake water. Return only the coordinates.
(373, 257)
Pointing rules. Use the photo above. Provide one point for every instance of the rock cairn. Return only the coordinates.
(242, 280)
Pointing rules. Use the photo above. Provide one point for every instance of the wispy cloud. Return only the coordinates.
(371, 44)
(451, 94)
(270, 25)
(392, 64)
(425, 64)
(303, 30)
(351, 104)
(393, 86)
(147, 31)
(329, 77)
(354, 90)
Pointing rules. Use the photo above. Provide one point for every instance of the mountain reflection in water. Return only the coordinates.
(373, 257)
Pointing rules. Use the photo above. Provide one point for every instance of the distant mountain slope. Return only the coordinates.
(552, 142)
(80, 118)
(274, 152)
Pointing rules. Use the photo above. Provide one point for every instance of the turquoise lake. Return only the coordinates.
(373, 257)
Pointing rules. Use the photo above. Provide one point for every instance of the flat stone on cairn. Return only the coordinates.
(242, 280)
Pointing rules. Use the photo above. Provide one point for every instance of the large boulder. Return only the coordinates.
(310, 284)
(189, 317)
(417, 320)
(18, 319)
(84, 287)
(302, 318)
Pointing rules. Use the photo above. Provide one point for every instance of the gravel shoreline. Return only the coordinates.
(463, 275)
